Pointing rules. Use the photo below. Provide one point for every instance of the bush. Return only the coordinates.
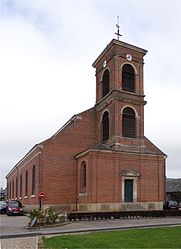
(47, 216)
(38, 213)
(62, 218)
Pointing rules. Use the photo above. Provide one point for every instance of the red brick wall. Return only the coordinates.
(20, 169)
(59, 166)
(55, 164)
(104, 174)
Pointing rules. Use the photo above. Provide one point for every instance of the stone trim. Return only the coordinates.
(106, 207)
(130, 175)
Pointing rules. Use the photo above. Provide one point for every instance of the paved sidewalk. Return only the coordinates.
(82, 226)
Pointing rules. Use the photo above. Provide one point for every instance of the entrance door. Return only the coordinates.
(128, 191)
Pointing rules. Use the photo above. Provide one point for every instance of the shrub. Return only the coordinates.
(38, 213)
(62, 217)
(47, 216)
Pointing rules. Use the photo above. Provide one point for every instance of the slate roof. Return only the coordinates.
(173, 185)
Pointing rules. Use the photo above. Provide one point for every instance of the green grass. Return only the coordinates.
(169, 237)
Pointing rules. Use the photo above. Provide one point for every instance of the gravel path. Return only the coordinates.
(20, 243)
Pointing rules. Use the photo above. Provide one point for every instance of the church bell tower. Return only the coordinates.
(120, 95)
(125, 170)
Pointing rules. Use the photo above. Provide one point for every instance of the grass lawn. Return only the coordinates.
(168, 237)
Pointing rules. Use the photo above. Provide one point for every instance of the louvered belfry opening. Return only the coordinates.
(128, 78)
(129, 123)
(105, 81)
(105, 126)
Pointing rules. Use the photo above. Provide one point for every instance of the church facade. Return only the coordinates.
(100, 159)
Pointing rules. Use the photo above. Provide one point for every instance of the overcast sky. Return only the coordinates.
(47, 48)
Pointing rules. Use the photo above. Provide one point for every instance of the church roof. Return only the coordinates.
(146, 148)
(36, 146)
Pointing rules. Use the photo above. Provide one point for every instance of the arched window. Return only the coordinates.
(83, 176)
(26, 183)
(105, 126)
(105, 83)
(128, 78)
(33, 181)
(20, 191)
(16, 187)
(13, 189)
(129, 122)
(10, 190)
(7, 191)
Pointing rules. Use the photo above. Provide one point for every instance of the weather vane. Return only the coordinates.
(117, 25)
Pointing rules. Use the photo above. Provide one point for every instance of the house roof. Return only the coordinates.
(173, 185)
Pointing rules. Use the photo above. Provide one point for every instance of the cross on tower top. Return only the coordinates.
(117, 25)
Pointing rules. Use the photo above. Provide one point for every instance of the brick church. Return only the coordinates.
(100, 159)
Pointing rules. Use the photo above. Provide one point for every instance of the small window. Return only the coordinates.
(26, 184)
(13, 189)
(128, 78)
(105, 81)
(7, 190)
(105, 126)
(10, 190)
(20, 191)
(16, 187)
(129, 122)
(33, 181)
(83, 176)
